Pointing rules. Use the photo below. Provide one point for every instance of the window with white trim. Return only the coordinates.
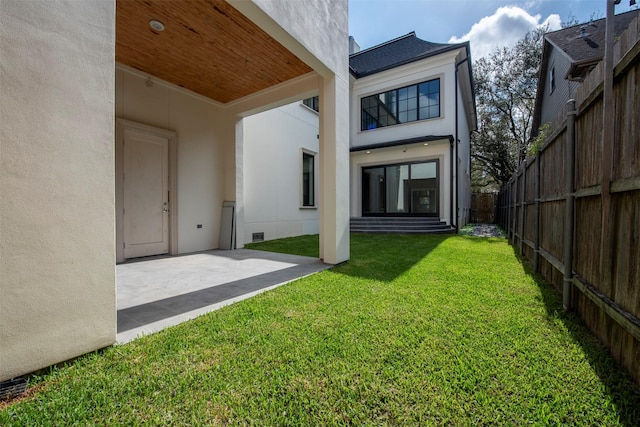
(420, 101)
(308, 179)
(313, 103)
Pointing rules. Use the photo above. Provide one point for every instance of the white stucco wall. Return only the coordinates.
(316, 32)
(318, 29)
(273, 146)
(204, 152)
(57, 277)
(442, 67)
(463, 171)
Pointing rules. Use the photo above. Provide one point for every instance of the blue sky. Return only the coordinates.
(486, 23)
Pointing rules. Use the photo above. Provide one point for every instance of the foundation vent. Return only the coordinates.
(11, 389)
(258, 237)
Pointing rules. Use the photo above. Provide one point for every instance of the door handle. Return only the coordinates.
(164, 210)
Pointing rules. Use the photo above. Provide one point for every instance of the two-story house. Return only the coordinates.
(411, 113)
(568, 55)
(412, 110)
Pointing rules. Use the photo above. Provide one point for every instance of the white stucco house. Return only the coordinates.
(412, 110)
(122, 135)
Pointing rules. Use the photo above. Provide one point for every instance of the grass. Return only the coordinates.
(302, 245)
(413, 330)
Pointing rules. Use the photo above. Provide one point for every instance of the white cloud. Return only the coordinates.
(504, 28)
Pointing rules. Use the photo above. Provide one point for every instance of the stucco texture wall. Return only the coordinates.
(316, 32)
(204, 152)
(319, 25)
(273, 144)
(57, 275)
(441, 67)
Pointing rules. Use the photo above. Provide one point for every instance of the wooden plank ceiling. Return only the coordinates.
(207, 47)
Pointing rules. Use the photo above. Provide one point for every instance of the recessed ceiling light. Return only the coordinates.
(156, 25)
(426, 143)
(368, 152)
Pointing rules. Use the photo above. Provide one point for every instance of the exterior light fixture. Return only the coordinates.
(156, 25)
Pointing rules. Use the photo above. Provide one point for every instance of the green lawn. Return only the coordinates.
(414, 330)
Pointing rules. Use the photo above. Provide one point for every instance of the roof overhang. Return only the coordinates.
(207, 47)
(447, 49)
(579, 70)
(409, 141)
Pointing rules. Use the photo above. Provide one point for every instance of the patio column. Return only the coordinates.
(239, 180)
(334, 169)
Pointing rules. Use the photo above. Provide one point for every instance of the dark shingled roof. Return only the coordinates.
(590, 48)
(396, 52)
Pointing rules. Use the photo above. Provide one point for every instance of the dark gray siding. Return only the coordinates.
(552, 103)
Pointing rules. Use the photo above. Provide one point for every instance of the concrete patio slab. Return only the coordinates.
(157, 292)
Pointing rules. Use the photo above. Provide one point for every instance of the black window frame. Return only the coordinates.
(308, 194)
(313, 103)
(400, 105)
(364, 198)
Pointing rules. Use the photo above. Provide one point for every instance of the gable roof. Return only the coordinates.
(583, 44)
(394, 53)
(583, 53)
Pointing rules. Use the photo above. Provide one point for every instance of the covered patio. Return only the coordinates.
(122, 138)
(158, 292)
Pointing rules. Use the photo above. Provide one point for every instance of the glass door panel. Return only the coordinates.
(424, 188)
(373, 191)
(397, 179)
(404, 189)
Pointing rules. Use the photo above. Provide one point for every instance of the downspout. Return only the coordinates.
(455, 160)
(451, 183)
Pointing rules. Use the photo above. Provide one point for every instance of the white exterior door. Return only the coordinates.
(146, 196)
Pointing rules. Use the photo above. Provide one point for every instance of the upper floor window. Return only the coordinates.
(407, 104)
(552, 80)
(313, 103)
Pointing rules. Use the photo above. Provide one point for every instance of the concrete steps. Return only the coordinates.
(399, 225)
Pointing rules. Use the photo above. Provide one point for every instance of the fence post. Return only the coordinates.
(536, 231)
(569, 204)
(608, 143)
(507, 205)
(523, 199)
(515, 209)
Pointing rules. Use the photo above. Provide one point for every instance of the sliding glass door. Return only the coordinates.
(401, 189)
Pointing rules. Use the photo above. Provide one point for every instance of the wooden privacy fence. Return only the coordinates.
(573, 210)
(483, 207)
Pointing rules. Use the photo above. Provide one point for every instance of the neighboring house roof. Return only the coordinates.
(584, 44)
(396, 52)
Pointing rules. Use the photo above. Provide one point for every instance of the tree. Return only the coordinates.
(505, 87)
